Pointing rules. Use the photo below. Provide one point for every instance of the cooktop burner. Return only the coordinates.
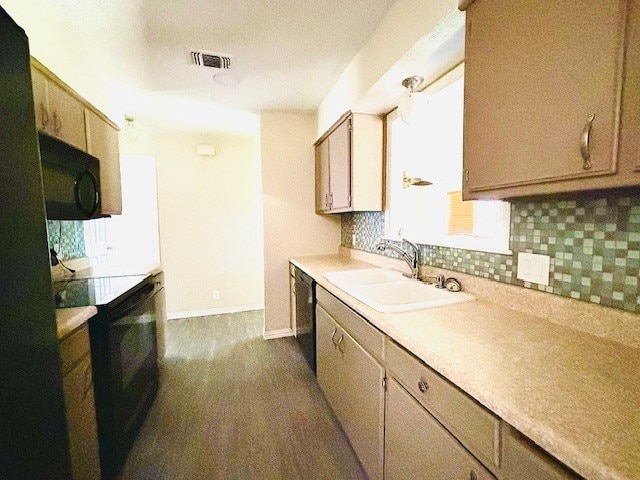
(93, 291)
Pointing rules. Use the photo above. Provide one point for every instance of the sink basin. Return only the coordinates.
(388, 291)
(366, 276)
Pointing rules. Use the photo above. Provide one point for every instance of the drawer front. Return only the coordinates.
(473, 425)
(524, 460)
(362, 331)
(418, 447)
(74, 347)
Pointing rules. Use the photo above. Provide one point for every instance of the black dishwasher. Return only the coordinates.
(305, 328)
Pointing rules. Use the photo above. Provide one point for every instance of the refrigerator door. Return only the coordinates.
(33, 438)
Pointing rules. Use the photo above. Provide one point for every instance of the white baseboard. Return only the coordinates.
(283, 332)
(214, 311)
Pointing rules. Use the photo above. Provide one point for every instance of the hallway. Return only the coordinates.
(234, 406)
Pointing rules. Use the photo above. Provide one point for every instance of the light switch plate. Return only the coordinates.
(534, 268)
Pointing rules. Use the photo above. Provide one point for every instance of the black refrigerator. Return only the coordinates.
(33, 430)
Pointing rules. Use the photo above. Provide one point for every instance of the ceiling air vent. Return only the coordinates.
(219, 61)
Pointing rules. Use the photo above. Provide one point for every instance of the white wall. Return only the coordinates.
(91, 46)
(210, 218)
(405, 24)
(291, 228)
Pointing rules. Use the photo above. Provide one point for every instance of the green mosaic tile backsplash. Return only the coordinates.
(67, 238)
(593, 242)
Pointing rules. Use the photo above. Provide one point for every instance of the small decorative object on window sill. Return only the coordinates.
(413, 181)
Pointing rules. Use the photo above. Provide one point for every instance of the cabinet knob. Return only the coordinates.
(585, 138)
(473, 476)
(339, 344)
(423, 386)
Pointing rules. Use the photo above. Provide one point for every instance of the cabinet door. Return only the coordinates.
(103, 143)
(534, 73)
(352, 382)
(292, 303)
(523, 460)
(417, 446)
(340, 166)
(81, 420)
(631, 108)
(66, 116)
(322, 176)
(39, 83)
(161, 322)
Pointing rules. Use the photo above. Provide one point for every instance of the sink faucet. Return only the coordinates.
(410, 257)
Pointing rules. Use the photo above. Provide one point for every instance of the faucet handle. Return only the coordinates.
(452, 284)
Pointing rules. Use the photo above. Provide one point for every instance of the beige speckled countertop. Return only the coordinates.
(574, 394)
(68, 319)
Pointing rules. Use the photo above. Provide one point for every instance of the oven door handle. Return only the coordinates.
(138, 299)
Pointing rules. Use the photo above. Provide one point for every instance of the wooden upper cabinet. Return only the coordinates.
(322, 177)
(58, 112)
(340, 166)
(544, 102)
(62, 113)
(66, 116)
(630, 135)
(102, 142)
(41, 104)
(349, 160)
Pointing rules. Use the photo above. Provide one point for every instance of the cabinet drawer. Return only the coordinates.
(418, 447)
(362, 331)
(524, 460)
(473, 425)
(74, 347)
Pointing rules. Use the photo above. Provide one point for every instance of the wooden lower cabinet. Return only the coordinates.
(352, 382)
(418, 447)
(80, 406)
(524, 460)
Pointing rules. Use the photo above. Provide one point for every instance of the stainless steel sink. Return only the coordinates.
(388, 291)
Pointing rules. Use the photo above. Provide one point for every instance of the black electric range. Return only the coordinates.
(124, 351)
(100, 291)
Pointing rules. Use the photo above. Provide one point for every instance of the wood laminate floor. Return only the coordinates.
(234, 406)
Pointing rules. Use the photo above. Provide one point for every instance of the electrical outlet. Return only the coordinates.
(534, 268)
(353, 239)
(215, 294)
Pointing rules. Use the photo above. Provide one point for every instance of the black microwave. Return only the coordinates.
(71, 180)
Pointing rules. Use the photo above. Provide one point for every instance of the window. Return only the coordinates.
(424, 178)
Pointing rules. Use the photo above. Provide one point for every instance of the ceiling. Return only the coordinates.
(286, 53)
(131, 57)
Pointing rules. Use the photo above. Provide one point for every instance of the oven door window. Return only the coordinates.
(133, 345)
